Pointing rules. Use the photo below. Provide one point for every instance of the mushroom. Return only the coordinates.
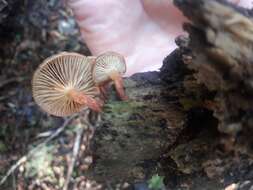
(63, 84)
(110, 66)
(92, 58)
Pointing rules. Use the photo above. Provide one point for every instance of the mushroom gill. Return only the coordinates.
(110, 66)
(106, 64)
(63, 84)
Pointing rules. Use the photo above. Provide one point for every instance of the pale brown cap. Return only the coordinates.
(56, 77)
(107, 63)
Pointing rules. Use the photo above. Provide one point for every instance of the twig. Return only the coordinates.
(11, 80)
(14, 183)
(30, 153)
(76, 148)
(85, 124)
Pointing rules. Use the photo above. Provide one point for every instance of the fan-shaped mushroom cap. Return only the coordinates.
(107, 64)
(57, 77)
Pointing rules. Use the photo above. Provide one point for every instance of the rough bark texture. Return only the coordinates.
(221, 37)
(135, 134)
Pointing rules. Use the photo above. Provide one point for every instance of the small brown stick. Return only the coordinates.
(84, 124)
(24, 158)
(76, 148)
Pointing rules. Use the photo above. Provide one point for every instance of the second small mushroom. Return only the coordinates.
(110, 66)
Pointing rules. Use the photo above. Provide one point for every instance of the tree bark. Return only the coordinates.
(221, 37)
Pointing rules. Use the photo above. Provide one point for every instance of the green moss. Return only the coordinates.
(121, 109)
(134, 123)
(156, 183)
(123, 106)
(40, 164)
(133, 113)
(3, 147)
(189, 103)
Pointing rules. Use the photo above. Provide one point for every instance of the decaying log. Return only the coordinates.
(221, 40)
(138, 132)
(220, 53)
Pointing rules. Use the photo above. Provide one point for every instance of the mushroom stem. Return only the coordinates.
(83, 99)
(118, 81)
(102, 90)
